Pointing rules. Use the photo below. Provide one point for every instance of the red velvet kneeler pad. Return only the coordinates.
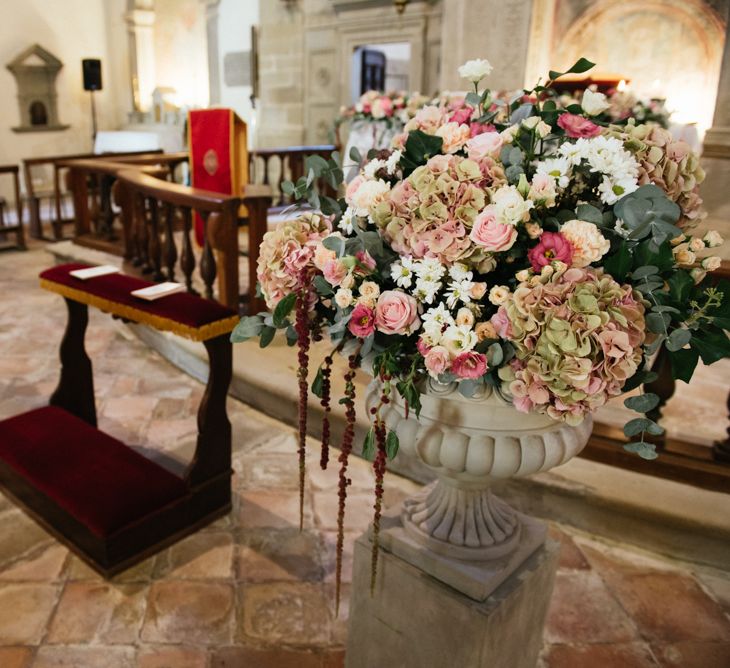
(218, 154)
(94, 477)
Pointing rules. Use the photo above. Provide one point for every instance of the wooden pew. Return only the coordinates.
(18, 227)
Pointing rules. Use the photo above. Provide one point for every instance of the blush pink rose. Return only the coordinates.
(437, 360)
(490, 234)
(502, 323)
(552, 246)
(365, 260)
(362, 321)
(469, 365)
(486, 143)
(576, 126)
(423, 348)
(396, 313)
(479, 128)
(334, 272)
(352, 188)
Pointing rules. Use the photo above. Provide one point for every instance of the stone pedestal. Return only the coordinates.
(416, 621)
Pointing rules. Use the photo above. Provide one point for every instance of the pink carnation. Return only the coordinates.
(362, 321)
(552, 246)
(469, 365)
(576, 126)
(461, 115)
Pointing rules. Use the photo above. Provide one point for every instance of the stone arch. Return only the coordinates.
(664, 46)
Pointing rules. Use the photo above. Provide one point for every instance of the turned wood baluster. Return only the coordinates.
(170, 251)
(187, 257)
(142, 236)
(155, 251)
(208, 269)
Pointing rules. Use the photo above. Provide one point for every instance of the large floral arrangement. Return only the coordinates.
(538, 250)
(392, 107)
(618, 106)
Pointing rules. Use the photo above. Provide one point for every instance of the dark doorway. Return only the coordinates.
(38, 114)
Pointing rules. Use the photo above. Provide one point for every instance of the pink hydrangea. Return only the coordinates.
(578, 338)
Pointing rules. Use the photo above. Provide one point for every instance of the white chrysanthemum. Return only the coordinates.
(426, 291)
(368, 195)
(460, 272)
(612, 190)
(459, 339)
(391, 164)
(459, 291)
(586, 240)
(402, 272)
(558, 168)
(429, 268)
(475, 70)
(436, 318)
(370, 169)
(346, 222)
(510, 207)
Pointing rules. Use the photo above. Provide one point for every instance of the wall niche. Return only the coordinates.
(35, 71)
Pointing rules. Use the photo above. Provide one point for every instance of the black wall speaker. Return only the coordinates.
(92, 73)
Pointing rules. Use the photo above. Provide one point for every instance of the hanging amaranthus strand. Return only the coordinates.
(379, 466)
(302, 327)
(325, 402)
(344, 481)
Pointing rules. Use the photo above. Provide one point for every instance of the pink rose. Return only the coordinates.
(365, 260)
(490, 234)
(422, 347)
(387, 105)
(469, 365)
(362, 321)
(352, 188)
(487, 143)
(576, 126)
(334, 271)
(396, 313)
(502, 323)
(552, 246)
(437, 360)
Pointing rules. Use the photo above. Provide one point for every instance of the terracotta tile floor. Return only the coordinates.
(251, 590)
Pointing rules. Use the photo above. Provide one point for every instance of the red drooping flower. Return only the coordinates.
(552, 246)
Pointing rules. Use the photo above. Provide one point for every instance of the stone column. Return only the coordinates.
(497, 30)
(141, 27)
(211, 30)
(716, 154)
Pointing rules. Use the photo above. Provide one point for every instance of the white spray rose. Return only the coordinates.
(475, 70)
(594, 103)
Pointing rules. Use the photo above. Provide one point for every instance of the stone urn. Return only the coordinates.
(456, 529)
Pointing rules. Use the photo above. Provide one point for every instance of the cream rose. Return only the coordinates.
(475, 70)
(343, 297)
(366, 195)
(594, 103)
(510, 207)
(713, 239)
(369, 293)
(711, 263)
(499, 294)
(454, 136)
(586, 240)
(464, 316)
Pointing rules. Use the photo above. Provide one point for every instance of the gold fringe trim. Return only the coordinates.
(209, 331)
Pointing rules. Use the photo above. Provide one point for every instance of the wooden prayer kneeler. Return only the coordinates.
(109, 504)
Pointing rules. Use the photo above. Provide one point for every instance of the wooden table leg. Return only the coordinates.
(213, 451)
(75, 391)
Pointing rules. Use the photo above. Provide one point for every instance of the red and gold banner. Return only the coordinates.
(218, 154)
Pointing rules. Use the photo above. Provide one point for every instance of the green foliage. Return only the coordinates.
(267, 336)
(643, 449)
(418, 149)
(391, 445)
(643, 403)
(368, 445)
(248, 327)
(283, 309)
(581, 65)
(649, 212)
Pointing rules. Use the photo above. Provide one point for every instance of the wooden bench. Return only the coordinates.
(17, 228)
(109, 504)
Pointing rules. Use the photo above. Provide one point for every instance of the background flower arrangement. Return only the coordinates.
(539, 250)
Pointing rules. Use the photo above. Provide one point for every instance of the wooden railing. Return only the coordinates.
(91, 182)
(155, 206)
(271, 166)
(56, 195)
(17, 228)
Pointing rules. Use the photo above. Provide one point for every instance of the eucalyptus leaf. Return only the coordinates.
(644, 450)
(355, 155)
(284, 308)
(368, 445)
(247, 328)
(267, 335)
(678, 339)
(642, 403)
(639, 425)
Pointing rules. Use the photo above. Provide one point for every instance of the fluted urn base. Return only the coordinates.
(470, 524)
(455, 529)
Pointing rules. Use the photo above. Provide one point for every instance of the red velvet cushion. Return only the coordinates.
(92, 476)
(181, 307)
